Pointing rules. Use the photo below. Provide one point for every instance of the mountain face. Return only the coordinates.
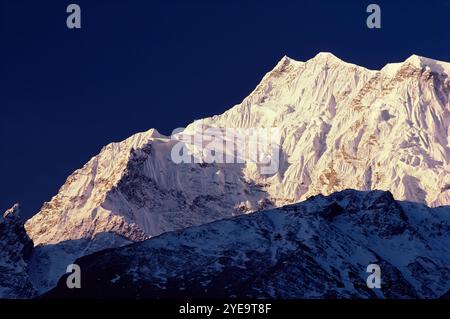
(341, 126)
(319, 248)
(129, 192)
(15, 250)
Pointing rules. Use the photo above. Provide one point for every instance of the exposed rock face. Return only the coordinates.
(15, 250)
(319, 248)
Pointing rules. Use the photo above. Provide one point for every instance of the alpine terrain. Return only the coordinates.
(15, 251)
(319, 248)
(341, 126)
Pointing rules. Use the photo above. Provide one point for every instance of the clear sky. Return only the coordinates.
(137, 64)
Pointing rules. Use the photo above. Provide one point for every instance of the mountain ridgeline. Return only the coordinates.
(319, 248)
(341, 127)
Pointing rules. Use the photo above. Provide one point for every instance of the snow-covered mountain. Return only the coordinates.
(342, 126)
(129, 192)
(319, 248)
(15, 250)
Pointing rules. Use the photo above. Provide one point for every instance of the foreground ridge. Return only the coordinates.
(319, 248)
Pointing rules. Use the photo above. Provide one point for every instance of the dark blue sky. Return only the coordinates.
(135, 65)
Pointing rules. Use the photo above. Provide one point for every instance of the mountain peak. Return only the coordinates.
(423, 62)
(15, 251)
(153, 133)
(415, 59)
(12, 212)
(321, 56)
(326, 55)
(419, 62)
(328, 58)
(285, 61)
